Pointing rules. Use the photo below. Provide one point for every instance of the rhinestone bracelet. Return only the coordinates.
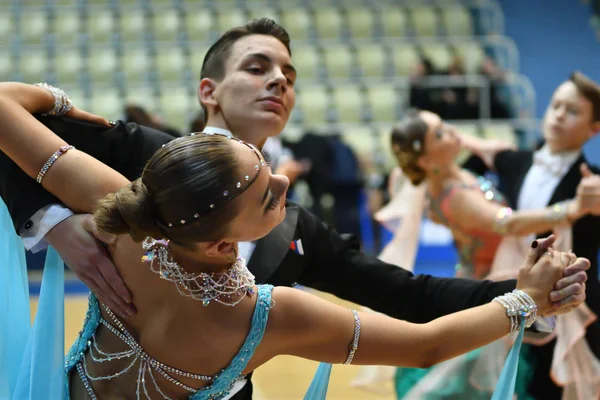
(559, 212)
(520, 308)
(62, 102)
(354, 344)
(51, 161)
(501, 222)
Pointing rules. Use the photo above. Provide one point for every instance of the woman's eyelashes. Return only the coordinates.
(273, 202)
(267, 157)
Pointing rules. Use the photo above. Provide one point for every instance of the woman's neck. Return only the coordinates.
(194, 260)
(437, 177)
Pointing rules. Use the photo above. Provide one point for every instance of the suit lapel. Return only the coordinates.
(526, 162)
(271, 250)
(568, 184)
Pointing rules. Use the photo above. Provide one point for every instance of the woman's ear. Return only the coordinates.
(220, 249)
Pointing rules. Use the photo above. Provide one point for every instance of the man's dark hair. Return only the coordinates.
(588, 89)
(213, 66)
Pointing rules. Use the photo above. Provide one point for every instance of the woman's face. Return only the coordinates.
(261, 206)
(442, 143)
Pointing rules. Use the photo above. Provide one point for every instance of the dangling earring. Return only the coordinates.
(233, 256)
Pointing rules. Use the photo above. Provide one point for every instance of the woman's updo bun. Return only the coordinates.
(130, 210)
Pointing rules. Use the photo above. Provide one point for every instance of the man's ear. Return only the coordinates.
(206, 92)
(219, 249)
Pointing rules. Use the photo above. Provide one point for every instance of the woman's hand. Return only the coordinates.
(76, 113)
(538, 278)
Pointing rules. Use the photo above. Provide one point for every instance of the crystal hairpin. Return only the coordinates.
(416, 145)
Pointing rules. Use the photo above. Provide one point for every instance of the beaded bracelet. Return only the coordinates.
(520, 308)
(62, 102)
(559, 211)
(501, 222)
(51, 161)
(354, 344)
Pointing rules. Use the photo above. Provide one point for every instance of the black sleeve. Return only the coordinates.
(475, 165)
(123, 147)
(336, 266)
(502, 162)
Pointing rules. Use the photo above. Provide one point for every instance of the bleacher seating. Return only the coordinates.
(353, 57)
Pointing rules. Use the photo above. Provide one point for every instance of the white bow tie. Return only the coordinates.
(556, 164)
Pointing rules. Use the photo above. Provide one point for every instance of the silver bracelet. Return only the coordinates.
(354, 344)
(51, 161)
(559, 211)
(62, 102)
(503, 216)
(520, 308)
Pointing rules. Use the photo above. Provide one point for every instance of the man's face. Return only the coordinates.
(568, 119)
(258, 87)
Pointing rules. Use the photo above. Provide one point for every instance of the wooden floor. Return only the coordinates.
(282, 378)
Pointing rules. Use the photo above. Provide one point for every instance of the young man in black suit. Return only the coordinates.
(534, 179)
(247, 90)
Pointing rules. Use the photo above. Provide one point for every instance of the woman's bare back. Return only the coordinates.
(173, 329)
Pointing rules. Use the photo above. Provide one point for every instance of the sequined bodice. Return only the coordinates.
(476, 248)
(221, 384)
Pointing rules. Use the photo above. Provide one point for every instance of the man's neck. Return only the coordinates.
(557, 150)
(217, 125)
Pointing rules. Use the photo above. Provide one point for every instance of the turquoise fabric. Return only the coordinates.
(14, 297)
(318, 387)
(505, 388)
(31, 358)
(461, 388)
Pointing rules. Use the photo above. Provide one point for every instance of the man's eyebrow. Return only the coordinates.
(264, 57)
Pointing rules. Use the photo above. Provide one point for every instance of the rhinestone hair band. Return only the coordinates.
(228, 194)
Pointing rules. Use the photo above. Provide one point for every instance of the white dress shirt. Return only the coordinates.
(543, 177)
(537, 189)
(541, 181)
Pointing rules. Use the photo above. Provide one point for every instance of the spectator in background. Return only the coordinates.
(315, 149)
(499, 107)
(345, 186)
(283, 161)
(135, 113)
(421, 95)
(459, 101)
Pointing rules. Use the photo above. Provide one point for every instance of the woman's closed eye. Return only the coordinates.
(273, 201)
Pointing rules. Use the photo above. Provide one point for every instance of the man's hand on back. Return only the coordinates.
(78, 242)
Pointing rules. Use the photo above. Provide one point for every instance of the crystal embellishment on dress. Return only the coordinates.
(228, 288)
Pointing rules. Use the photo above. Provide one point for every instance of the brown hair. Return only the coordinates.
(213, 66)
(588, 89)
(182, 181)
(408, 144)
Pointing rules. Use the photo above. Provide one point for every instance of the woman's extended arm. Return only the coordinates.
(307, 326)
(471, 210)
(77, 179)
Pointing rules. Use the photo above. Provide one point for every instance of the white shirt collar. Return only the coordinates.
(557, 163)
(217, 131)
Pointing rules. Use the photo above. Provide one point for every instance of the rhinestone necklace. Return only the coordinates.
(228, 288)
